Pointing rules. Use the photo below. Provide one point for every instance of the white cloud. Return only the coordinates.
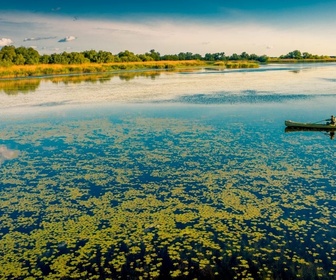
(171, 35)
(39, 38)
(67, 39)
(5, 42)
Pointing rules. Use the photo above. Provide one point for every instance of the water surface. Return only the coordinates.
(166, 175)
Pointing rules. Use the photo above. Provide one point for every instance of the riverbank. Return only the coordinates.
(293, 60)
(20, 71)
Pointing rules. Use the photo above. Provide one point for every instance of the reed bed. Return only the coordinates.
(293, 60)
(17, 71)
(241, 64)
(21, 71)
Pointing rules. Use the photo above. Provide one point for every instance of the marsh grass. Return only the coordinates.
(241, 64)
(306, 60)
(58, 69)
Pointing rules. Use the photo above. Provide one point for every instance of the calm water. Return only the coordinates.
(162, 175)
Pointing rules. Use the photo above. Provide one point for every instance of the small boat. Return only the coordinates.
(318, 126)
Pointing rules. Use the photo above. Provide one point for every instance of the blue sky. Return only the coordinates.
(261, 27)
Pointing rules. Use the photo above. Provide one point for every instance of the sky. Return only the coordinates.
(261, 27)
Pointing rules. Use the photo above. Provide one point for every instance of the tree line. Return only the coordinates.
(10, 55)
(305, 55)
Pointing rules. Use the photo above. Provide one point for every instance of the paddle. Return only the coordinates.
(322, 121)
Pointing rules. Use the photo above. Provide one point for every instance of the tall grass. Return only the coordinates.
(241, 64)
(293, 60)
(55, 69)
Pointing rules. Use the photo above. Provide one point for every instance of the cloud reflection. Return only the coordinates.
(7, 154)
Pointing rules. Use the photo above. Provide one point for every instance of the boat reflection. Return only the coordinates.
(329, 132)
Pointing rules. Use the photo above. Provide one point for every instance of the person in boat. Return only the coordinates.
(332, 120)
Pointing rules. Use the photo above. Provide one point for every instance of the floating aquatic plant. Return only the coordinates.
(145, 197)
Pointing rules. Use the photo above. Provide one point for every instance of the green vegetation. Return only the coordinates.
(16, 86)
(25, 62)
(159, 197)
(9, 55)
(297, 56)
(56, 69)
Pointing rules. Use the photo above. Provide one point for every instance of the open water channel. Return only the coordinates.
(159, 175)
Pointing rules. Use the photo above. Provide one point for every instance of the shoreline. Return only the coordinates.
(54, 70)
(16, 72)
(42, 70)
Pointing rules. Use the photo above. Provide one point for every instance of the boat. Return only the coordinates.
(310, 126)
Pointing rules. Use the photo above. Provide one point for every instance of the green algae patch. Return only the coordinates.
(147, 197)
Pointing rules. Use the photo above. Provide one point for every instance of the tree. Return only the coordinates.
(91, 55)
(262, 58)
(197, 56)
(155, 55)
(189, 56)
(293, 55)
(306, 55)
(105, 57)
(7, 54)
(245, 56)
(44, 59)
(219, 56)
(173, 57)
(186, 56)
(56, 58)
(235, 57)
(145, 57)
(253, 57)
(182, 56)
(209, 57)
(19, 59)
(32, 56)
(76, 58)
(127, 56)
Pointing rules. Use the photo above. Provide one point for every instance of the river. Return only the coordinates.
(158, 175)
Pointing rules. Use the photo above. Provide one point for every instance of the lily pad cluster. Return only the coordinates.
(152, 197)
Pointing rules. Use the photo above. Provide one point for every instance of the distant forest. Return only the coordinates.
(10, 55)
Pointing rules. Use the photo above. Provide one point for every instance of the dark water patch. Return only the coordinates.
(329, 80)
(243, 70)
(247, 97)
(51, 104)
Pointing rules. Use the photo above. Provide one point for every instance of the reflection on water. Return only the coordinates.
(267, 84)
(328, 132)
(13, 87)
(201, 182)
(7, 154)
(30, 85)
